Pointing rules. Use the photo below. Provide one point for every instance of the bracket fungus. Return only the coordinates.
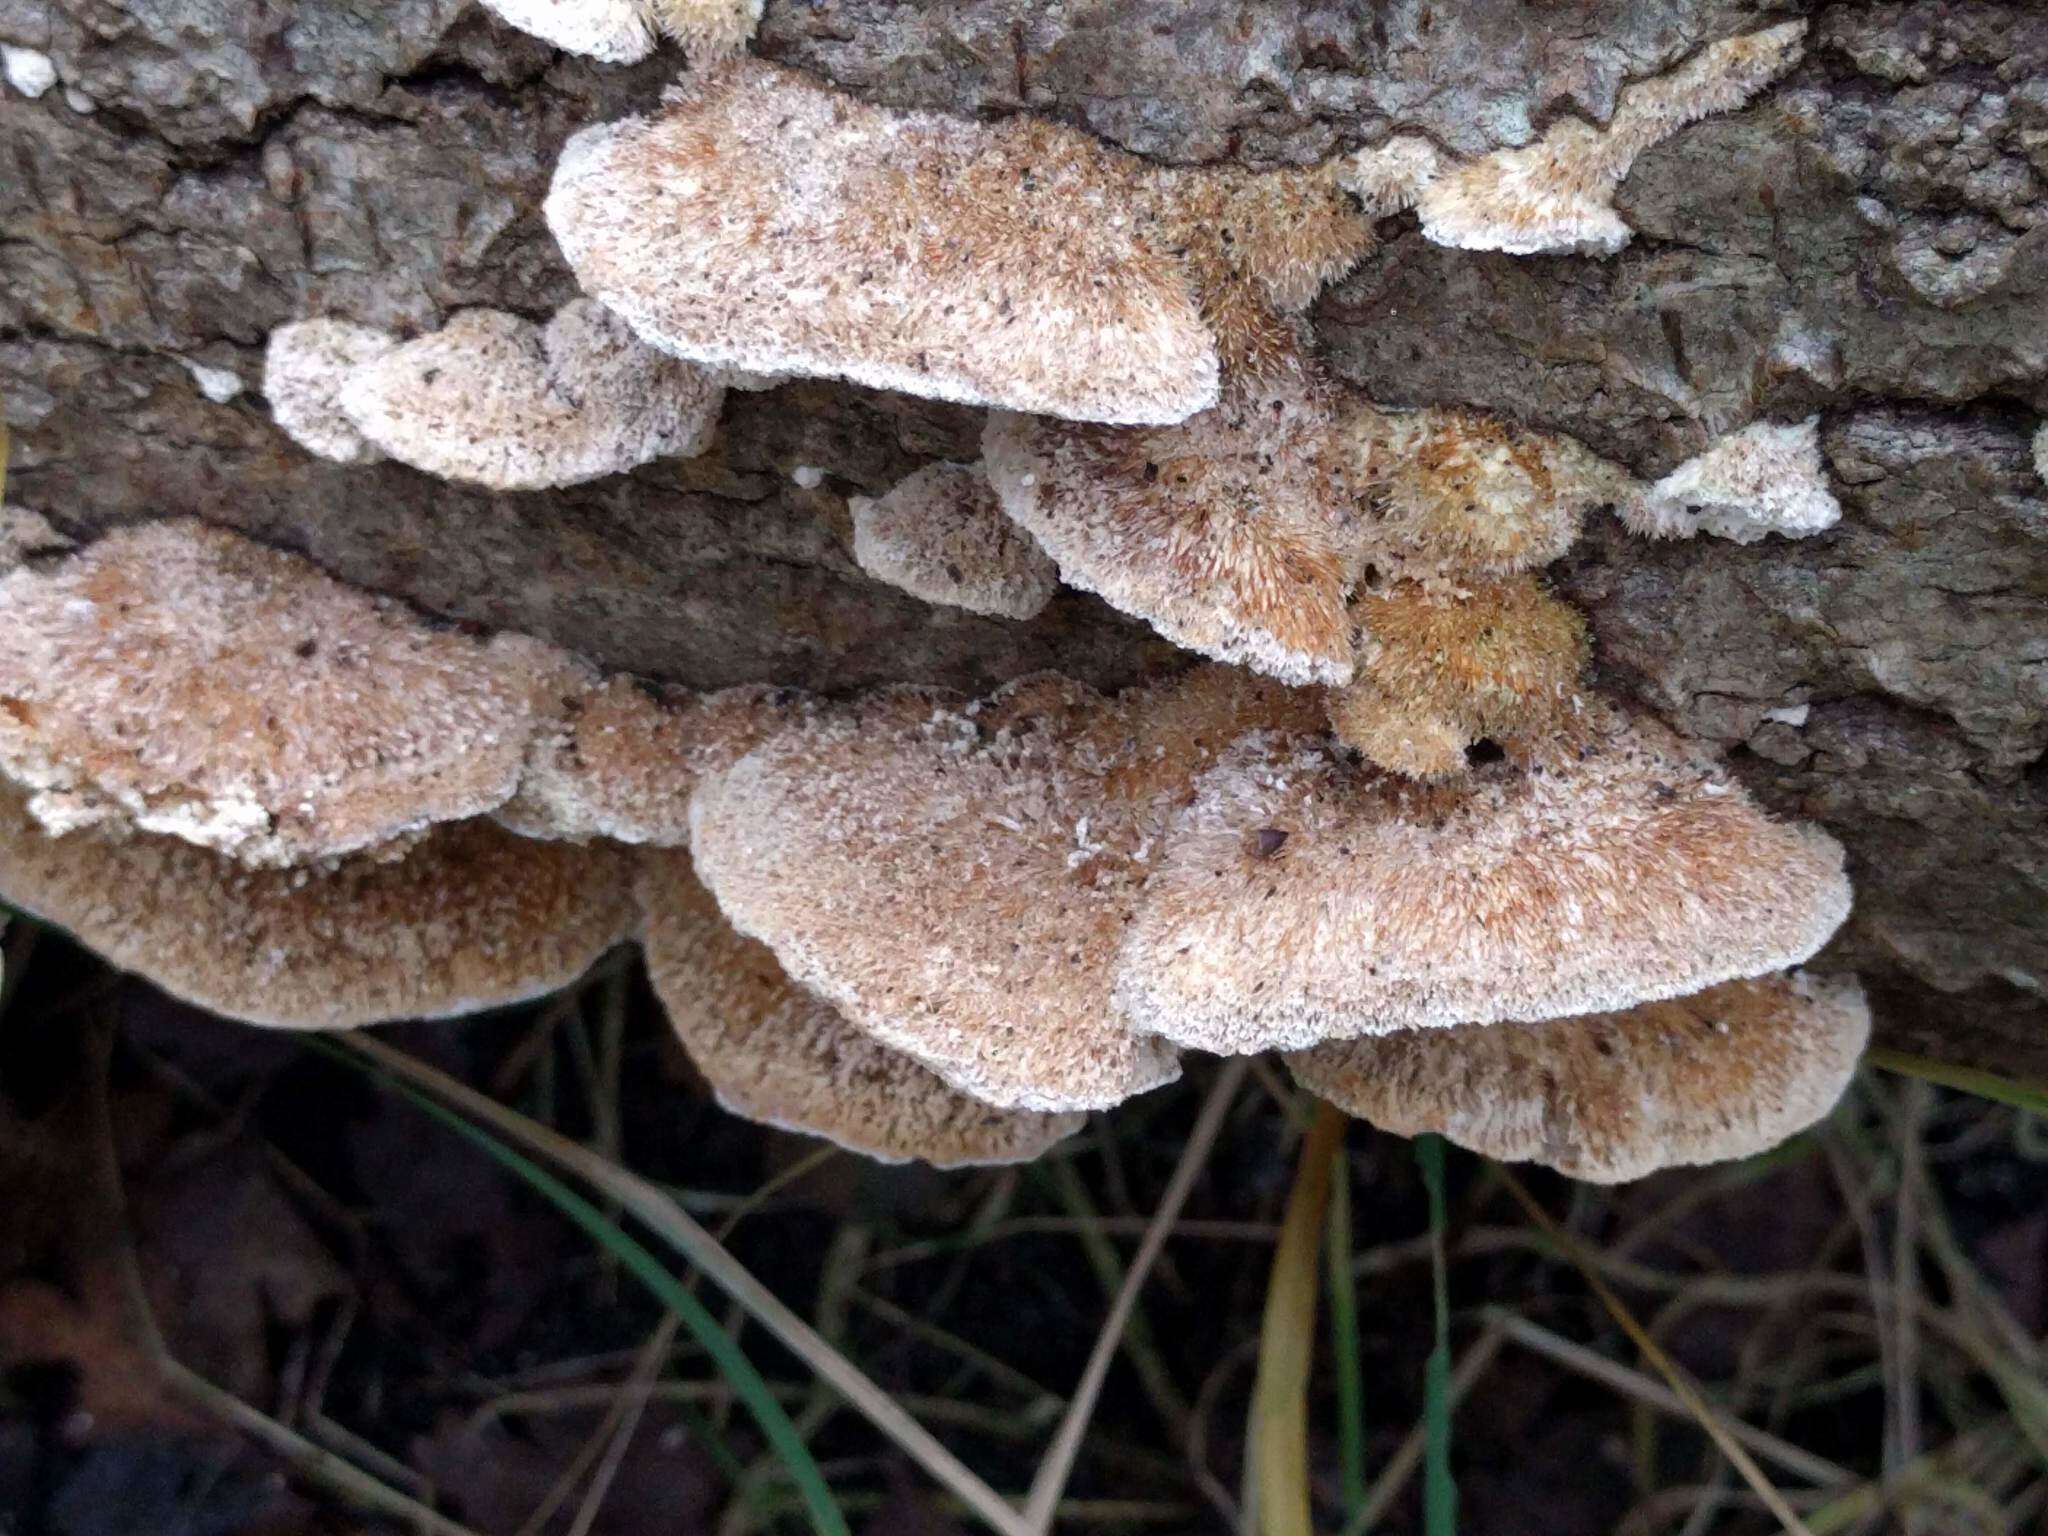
(472, 917)
(1458, 493)
(1302, 898)
(776, 1053)
(305, 365)
(1441, 669)
(1556, 195)
(185, 680)
(955, 879)
(1221, 532)
(1605, 1097)
(763, 222)
(940, 535)
(625, 31)
(1767, 478)
(494, 399)
(623, 759)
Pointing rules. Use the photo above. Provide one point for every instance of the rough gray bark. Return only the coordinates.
(1866, 241)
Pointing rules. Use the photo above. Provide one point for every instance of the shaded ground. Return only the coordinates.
(342, 1264)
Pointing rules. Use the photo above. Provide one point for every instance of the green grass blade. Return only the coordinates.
(637, 1261)
(2017, 1092)
(1439, 1491)
(1343, 1287)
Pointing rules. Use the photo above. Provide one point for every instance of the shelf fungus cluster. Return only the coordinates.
(1383, 825)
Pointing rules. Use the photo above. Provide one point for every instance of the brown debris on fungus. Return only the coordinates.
(1617, 869)
(623, 758)
(775, 1053)
(185, 680)
(955, 879)
(495, 400)
(471, 918)
(1223, 533)
(1441, 669)
(941, 536)
(1556, 195)
(763, 222)
(305, 365)
(1606, 1097)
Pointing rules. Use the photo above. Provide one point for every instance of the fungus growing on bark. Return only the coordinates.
(764, 222)
(1556, 195)
(497, 400)
(305, 365)
(940, 535)
(611, 31)
(1257, 246)
(1720, 1074)
(1460, 493)
(1303, 899)
(956, 878)
(1222, 533)
(623, 759)
(185, 680)
(624, 31)
(471, 918)
(1767, 478)
(2041, 451)
(1442, 669)
(776, 1053)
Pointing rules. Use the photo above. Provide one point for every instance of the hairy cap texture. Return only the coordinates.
(941, 535)
(776, 1053)
(471, 918)
(1442, 668)
(764, 222)
(1223, 533)
(1767, 478)
(1303, 898)
(496, 400)
(305, 365)
(1556, 195)
(955, 878)
(182, 679)
(1719, 1074)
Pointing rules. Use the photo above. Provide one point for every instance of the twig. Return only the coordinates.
(1051, 1480)
(307, 1459)
(1709, 1419)
(1817, 1470)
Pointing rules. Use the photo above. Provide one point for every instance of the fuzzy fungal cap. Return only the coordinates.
(1304, 899)
(1221, 533)
(305, 365)
(1767, 478)
(471, 918)
(1606, 1097)
(1556, 196)
(1256, 247)
(610, 31)
(761, 221)
(623, 759)
(707, 29)
(1458, 493)
(184, 680)
(499, 401)
(777, 1054)
(1442, 669)
(955, 879)
(941, 536)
